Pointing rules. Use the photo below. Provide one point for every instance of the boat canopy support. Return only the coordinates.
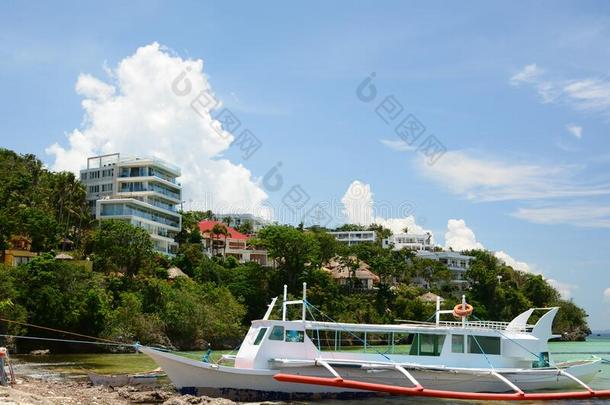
(285, 303)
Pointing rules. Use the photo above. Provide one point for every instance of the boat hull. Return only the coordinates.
(196, 377)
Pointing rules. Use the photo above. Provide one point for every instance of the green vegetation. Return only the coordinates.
(128, 297)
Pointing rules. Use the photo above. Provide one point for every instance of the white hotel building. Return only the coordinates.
(142, 191)
(409, 241)
(354, 237)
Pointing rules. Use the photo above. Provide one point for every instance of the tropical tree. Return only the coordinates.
(296, 252)
(217, 230)
(118, 246)
(246, 227)
(381, 232)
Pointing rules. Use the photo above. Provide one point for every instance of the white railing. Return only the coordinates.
(497, 325)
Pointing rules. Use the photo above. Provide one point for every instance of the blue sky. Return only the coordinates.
(519, 95)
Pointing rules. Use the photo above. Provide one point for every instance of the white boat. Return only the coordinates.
(308, 358)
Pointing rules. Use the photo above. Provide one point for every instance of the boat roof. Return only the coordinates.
(442, 328)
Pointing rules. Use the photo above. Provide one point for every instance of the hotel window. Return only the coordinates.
(457, 343)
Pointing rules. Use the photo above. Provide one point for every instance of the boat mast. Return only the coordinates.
(304, 301)
(284, 303)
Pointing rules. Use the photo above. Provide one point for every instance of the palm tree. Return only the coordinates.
(219, 229)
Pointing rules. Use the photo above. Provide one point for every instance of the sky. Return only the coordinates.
(484, 124)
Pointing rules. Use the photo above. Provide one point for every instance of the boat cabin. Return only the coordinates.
(274, 343)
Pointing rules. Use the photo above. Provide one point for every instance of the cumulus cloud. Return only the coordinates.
(134, 111)
(510, 261)
(359, 208)
(575, 130)
(460, 237)
(607, 294)
(488, 179)
(358, 203)
(565, 290)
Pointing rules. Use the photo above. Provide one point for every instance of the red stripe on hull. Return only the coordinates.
(423, 392)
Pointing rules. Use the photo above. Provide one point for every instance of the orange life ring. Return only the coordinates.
(459, 312)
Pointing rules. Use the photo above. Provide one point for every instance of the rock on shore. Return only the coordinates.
(40, 392)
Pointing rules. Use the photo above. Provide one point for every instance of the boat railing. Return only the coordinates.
(496, 325)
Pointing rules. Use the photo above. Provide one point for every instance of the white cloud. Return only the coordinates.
(565, 290)
(487, 179)
(397, 145)
(135, 112)
(607, 294)
(460, 237)
(359, 208)
(527, 75)
(575, 130)
(587, 94)
(585, 215)
(510, 261)
(397, 225)
(358, 203)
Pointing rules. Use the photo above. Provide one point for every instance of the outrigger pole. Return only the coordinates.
(420, 391)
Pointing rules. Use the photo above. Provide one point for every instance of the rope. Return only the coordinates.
(345, 330)
(483, 352)
(67, 340)
(317, 329)
(62, 331)
(537, 357)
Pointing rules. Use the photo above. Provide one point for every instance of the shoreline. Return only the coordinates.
(33, 391)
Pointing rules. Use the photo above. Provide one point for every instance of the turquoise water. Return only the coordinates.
(594, 346)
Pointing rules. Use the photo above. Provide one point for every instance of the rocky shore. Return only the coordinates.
(43, 383)
(29, 391)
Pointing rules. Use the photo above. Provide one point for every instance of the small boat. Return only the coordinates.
(119, 380)
(460, 359)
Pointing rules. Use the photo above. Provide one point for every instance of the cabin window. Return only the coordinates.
(427, 345)
(259, 336)
(277, 333)
(484, 344)
(457, 343)
(295, 336)
(401, 343)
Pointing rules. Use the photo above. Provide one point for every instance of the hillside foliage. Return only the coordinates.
(128, 297)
